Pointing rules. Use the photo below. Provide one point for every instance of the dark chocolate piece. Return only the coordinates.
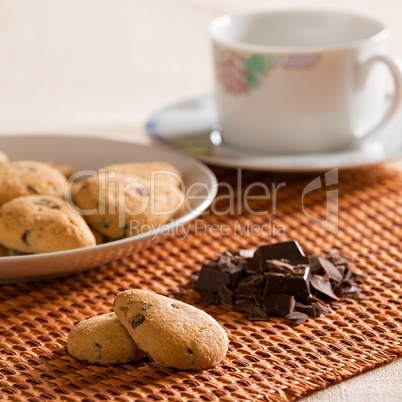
(255, 313)
(304, 308)
(276, 280)
(297, 317)
(296, 285)
(319, 310)
(279, 304)
(288, 250)
(211, 278)
(330, 269)
(225, 296)
(323, 285)
(208, 298)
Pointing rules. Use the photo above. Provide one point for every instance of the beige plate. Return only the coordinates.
(92, 153)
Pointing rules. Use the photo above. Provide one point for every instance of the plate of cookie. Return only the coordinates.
(71, 203)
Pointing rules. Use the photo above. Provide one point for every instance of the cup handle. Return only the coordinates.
(394, 66)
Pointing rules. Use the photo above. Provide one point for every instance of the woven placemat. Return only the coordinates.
(272, 360)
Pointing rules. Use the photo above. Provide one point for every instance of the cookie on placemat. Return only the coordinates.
(42, 224)
(160, 171)
(29, 177)
(3, 157)
(171, 332)
(123, 206)
(104, 340)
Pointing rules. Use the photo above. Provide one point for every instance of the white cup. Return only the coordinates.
(301, 81)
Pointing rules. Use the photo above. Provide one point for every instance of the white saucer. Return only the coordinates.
(188, 127)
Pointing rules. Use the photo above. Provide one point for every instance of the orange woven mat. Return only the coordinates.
(273, 360)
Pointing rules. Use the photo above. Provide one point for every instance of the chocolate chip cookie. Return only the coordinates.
(120, 206)
(171, 332)
(42, 224)
(104, 340)
(160, 171)
(28, 178)
(3, 157)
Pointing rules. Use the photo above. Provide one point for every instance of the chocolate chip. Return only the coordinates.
(99, 356)
(25, 235)
(137, 320)
(32, 189)
(46, 203)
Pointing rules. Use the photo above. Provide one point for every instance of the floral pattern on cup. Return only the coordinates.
(237, 73)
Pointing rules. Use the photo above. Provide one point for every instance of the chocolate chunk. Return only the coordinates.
(278, 265)
(297, 317)
(226, 262)
(296, 285)
(25, 235)
(208, 298)
(255, 313)
(279, 304)
(251, 268)
(289, 250)
(225, 296)
(323, 285)
(304, 308)
(252, 311)
(319, 310)
(276, 280)
(330, 269)
(137, 320)
(211, 278)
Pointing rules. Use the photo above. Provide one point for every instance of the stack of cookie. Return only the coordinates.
(120, 201)
(146, 324)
